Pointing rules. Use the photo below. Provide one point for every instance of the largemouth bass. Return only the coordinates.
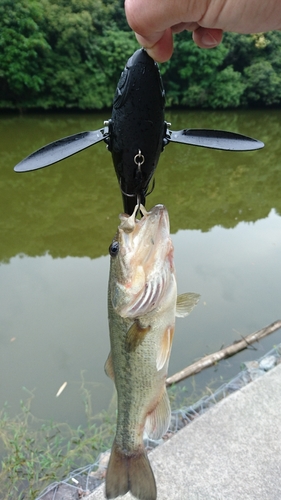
(142, 305)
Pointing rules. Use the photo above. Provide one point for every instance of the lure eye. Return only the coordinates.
(114, 248)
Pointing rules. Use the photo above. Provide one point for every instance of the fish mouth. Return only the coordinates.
(157, 216)
(143, 239)
(145, 259)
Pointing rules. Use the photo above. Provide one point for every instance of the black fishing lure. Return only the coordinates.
(137, 133)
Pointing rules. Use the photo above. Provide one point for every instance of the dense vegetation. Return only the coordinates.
(69, 54)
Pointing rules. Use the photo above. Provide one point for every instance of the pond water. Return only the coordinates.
(55, 228)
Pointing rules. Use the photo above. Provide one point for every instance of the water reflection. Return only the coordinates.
(54, 325)
(54, 320)
(224, 215)
(63, 209)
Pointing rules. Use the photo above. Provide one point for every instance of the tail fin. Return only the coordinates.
(129, 473)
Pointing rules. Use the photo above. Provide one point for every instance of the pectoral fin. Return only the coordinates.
(136, 335)
(185, 303)
(108, 367)
(165, 348)
(158, 421)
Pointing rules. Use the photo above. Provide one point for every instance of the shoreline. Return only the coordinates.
(84, 481)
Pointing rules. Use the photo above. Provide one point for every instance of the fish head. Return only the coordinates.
(142, 264)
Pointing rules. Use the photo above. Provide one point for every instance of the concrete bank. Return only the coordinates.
(232, 452)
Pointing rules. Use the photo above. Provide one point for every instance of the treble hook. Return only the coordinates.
(139, 160)
(126, 194)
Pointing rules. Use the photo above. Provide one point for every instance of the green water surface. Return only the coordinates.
(55, 228)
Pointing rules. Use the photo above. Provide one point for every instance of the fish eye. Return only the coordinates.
(114, 248)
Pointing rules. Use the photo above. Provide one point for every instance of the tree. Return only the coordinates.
(263, 84)
(70, 53)
(198, 78)
(226, 90)
(22, 49)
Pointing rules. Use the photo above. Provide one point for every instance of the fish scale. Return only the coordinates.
(133, 380)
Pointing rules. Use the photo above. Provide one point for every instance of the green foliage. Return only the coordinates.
(188, 75)
(22, 45)
(38, 453)
(263, 83)
(241, 50)
(226, 90)
(63, 54)
(197, 78)
(257, 58)
(70, 53)
(243, 70)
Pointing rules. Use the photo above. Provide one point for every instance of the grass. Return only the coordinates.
(37, 453)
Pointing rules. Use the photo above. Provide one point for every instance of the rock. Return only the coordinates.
(267, 363)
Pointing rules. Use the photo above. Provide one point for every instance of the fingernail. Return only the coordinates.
(208, 40)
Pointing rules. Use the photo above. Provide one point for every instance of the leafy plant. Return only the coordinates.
(37, 453)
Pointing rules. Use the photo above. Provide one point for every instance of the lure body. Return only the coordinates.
(137, 127)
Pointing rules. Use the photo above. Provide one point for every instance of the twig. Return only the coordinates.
(211, 359)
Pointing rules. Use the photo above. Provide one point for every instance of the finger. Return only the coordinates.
(162, 49)
(207, 38)
(178, 28)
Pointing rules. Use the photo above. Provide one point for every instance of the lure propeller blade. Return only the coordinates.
(215, 139)
(58, 150)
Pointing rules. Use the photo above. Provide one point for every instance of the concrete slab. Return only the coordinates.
(231, 452)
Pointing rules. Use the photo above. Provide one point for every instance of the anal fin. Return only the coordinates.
(158, 421)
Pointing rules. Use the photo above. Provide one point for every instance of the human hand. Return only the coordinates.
(155, 21)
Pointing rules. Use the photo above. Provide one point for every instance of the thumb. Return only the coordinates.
(159, 45)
